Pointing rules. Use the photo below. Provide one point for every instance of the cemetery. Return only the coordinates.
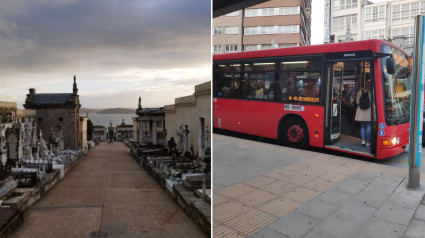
(31, 164)
(186, 176)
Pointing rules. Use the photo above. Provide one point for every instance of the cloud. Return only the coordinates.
(117, 44)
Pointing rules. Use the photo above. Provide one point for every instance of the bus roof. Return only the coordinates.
(373, 45)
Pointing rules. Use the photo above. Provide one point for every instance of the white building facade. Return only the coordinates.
(392, 20)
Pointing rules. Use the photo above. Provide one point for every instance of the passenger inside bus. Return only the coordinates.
(310, 89)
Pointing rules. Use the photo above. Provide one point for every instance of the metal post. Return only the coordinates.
(417, 101)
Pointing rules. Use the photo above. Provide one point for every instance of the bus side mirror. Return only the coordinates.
(390, 65)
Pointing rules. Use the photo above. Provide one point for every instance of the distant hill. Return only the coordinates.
(117, 111)
(89, 110)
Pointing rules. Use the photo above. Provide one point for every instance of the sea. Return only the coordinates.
(106, 119)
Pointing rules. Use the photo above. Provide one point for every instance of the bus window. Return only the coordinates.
(228, 81)
(300, 82)
(259, 81)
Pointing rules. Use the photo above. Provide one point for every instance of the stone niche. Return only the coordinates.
(14, 145)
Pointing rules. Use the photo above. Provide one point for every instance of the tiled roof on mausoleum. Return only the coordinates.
(51, 98)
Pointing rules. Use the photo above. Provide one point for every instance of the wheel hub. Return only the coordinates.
(295, 133)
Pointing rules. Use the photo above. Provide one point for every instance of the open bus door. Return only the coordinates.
(343, 130)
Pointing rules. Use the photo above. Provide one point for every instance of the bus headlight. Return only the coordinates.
(391, 142)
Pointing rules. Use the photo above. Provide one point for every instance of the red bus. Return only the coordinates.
(309, 96)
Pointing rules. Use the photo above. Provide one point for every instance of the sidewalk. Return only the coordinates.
(263, 190)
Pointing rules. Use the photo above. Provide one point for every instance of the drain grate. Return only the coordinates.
(97, 234)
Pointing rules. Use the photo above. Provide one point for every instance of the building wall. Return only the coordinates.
(48, 118)
(124, 132)
(228, 39)
(187, 111)
(135, 129)
(256, 42)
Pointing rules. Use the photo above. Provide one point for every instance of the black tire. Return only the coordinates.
(295, 133)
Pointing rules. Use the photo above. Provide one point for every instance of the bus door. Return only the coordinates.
(335, 103)
(346, 124)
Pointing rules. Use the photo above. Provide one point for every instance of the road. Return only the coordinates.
(107, 195)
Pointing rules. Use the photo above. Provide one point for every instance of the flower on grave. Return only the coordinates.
(176, 173)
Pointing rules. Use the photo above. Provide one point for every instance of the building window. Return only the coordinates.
(395, 32)
(272, 11)
(231, 48)
(375, 14)
(340, 23)
(395, 14)
(405, 12)
(344, 4)
(231, 30)
(289, 10)
(267, 12)
(271, 30)
(267, 29)
(415, 9)
(266, 47)
(250, 30)
(250, 47)
(233, 14)
(217, 49)
(217, 30)
(288, 29)
(287, 45)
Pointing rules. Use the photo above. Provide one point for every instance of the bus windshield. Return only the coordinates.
(397, 88)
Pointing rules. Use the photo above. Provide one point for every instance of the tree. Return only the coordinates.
(89, 130)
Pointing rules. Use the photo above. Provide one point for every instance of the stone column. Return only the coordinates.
(154, 133)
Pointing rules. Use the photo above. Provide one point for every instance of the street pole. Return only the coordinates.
(417, 101)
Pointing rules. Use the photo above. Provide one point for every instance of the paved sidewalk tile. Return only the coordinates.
(221, 231)
(318, 209)
(333, 177)
(378, 187)
(279, 207)
(373, 199)
(402, 188)
(355, 212)
(380, 228)
(389, 179)
(294, 225)
(268, 233)
(236, 190)
(404, 200)
(218, 199)
(364, 176)
(393, 213)
(279, 187)
(416, 229)
(256, 198)
(301, 195)
(228, 210)
(335, 227)
(250, 222)
(260, 181)
(349, 187)
(420, 213)
(319, 185)
(335, 197)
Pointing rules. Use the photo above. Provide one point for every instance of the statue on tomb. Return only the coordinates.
(180, 141)
(60, 136)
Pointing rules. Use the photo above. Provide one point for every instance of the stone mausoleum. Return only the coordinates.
(148, 127)
(58, 114)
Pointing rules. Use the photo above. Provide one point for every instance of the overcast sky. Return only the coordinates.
(158, 49)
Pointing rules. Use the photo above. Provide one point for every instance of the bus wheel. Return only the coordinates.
(295, 133)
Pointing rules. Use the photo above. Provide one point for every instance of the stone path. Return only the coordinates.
(107, 195)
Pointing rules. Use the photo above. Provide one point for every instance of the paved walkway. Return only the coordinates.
(263, 190)
(107, 193)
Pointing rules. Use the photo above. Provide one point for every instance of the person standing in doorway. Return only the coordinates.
(363, 113)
